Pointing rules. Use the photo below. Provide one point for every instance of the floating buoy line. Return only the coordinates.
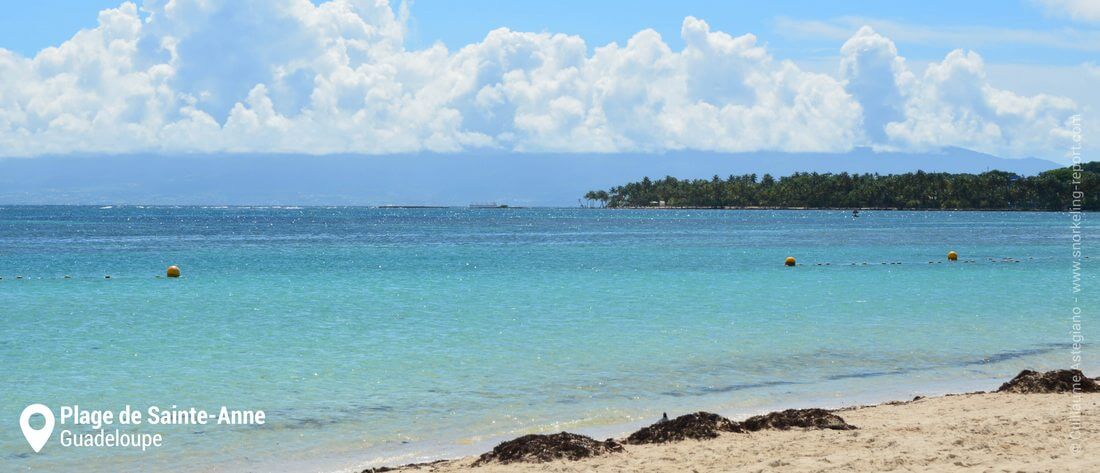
(174, 272)
(790, 261)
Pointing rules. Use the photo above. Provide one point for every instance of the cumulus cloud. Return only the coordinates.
(292, 76)
(877, 78)
(952, 104)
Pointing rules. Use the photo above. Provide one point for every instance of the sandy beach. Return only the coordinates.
(969, 432)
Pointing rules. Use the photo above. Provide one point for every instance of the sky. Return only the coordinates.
(369, 77)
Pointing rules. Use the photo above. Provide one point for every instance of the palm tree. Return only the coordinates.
(919, 190)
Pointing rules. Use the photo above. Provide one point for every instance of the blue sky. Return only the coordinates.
(220, 76)
(607, 21)
(28, 26)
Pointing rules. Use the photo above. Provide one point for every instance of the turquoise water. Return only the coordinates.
(391, 335)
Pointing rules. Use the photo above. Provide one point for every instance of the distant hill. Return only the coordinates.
(533, 179)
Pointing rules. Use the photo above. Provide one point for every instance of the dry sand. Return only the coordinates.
(970, 432)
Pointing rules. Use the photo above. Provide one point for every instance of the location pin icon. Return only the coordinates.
(36, 437)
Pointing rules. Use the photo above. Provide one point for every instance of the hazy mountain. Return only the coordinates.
(423, 179)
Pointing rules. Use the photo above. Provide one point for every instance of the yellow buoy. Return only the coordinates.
(952, 256)
(789, 261)
(173, 271)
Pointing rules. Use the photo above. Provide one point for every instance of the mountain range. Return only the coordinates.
(516, 179)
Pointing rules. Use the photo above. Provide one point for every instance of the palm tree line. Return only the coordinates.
(992, 190)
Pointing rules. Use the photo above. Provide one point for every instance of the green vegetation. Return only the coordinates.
(1050, 190)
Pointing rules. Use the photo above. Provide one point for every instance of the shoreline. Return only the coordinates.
(962, 432)
(1005, 429)
(449, 458)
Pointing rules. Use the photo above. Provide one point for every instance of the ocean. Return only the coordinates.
(376, 336)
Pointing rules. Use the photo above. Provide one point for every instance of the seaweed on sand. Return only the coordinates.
(697, 426)
(796, 418)
(540, 448)
(1057, 381)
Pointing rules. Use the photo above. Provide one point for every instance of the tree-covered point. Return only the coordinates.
(1050, 190)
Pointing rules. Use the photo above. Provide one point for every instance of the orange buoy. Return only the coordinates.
(789, 261)
(173, 271)
(952, 256)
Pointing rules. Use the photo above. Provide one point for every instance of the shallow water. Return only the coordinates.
(394, 335)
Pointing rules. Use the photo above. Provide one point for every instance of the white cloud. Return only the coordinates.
(291, 76)
(877, 78)
(1079, 10)
(952, 104)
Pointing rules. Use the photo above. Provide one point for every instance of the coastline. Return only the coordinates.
(950, 432)
(880, 406)
(962, 432)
